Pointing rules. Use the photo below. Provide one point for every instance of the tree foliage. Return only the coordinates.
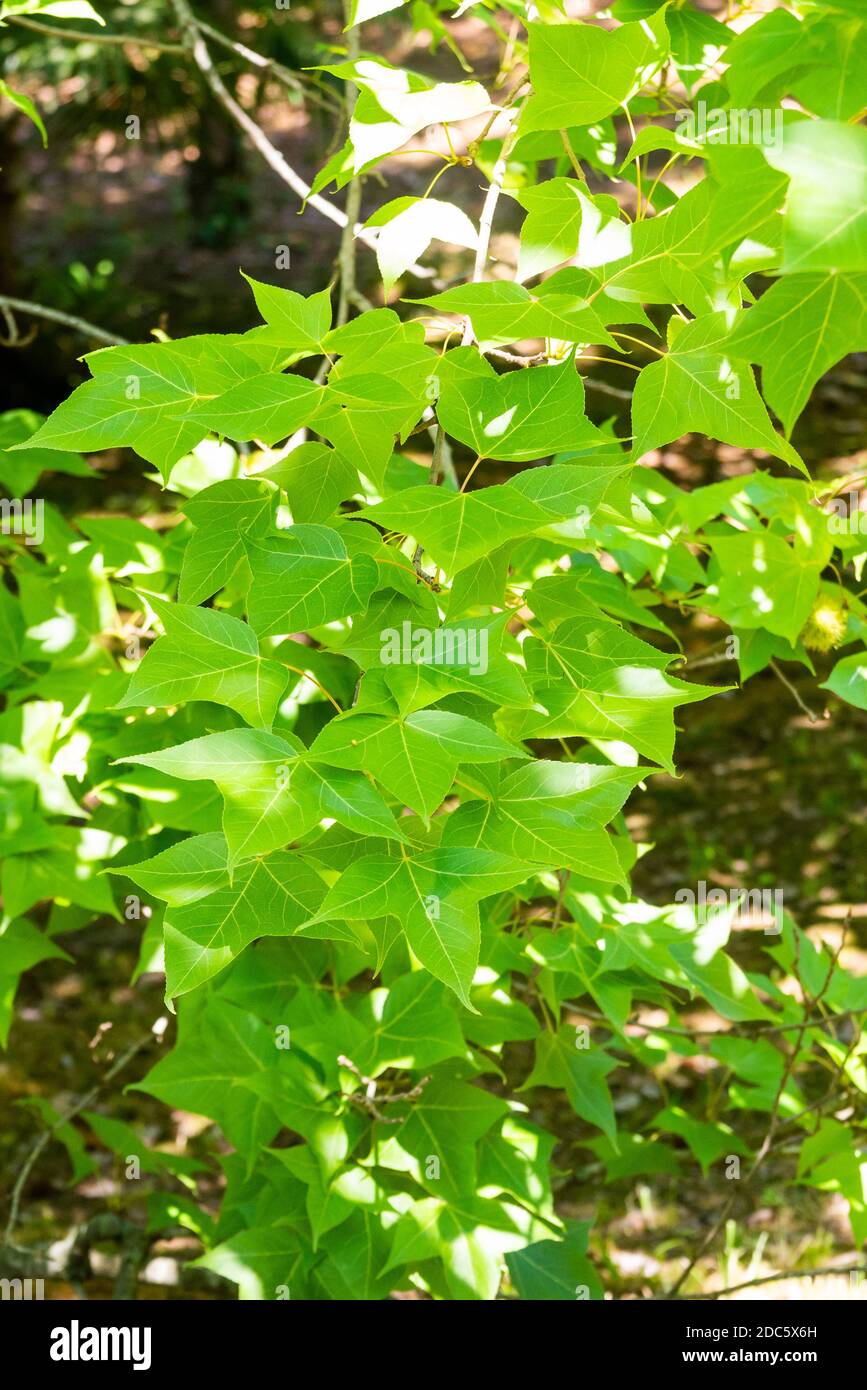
(359, 736)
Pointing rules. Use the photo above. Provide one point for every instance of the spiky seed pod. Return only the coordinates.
(825, 628)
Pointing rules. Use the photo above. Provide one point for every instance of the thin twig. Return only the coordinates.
(563, 876)
(782, 1274)
(40, 311)
(571, 156)
(346, 258)
(802, 1028)
(802, 705)
(486, 221)
(258, 60)
(436, 464)
(369, 1100)
(708, 1240)
(18, 1191)
(81, 36)
(256, 135)
(750, 1030)
(792, 1058)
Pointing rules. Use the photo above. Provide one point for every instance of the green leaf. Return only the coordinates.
(185, 872)
(28, 107)
(552, 228)
(762, 54)
(294, 323)
(57, 9)
(469, 1238)
(707, 1142)
(633, 705)
(825, 222)
(19, 471)
(145, 397)
(206, 655)
(394, 104)
(315, 479)
(434, 896)
(797, 330)
(699, 386)
(581, 72)
(585, 651)
(223, 515)
(272, 896)
(555, 1269)
(304, 577)
(407, 226)
(504, 312)
(849, 680)
(66, 1134)
(272, 794)
(22, 946)
(521, 416)
(562, 1062)
(457, 528)
(765, 582)
(260, 1260)
(68, 872)
(415, 758)
(210, 1072)
(445, 1123)
(362, 10)
(416, 1027)
(266, 407)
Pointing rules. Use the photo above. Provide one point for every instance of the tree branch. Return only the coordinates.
(198, 50)
(258, 60)
(346, 258)
(81, 36)
(40, 311)
(486, 221)
(782, 1274)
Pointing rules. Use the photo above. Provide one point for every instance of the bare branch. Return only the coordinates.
(346, 259)
(81, 36)
(782, 1274)
(198, 50)
(258, 60)
(486, 221)
(40, 311)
